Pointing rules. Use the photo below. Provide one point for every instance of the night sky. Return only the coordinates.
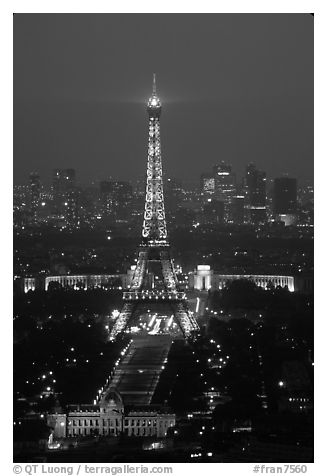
(237, 88)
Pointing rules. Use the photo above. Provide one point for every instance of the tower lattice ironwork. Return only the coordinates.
(154, 250)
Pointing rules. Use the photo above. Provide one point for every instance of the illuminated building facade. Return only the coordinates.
(204, 279)
(154, 253)
(78, 281)
(110, 418)
(225, 186)
(224, 181)
(29, 284)
(207, 186)
(201, 279)
(85, 281)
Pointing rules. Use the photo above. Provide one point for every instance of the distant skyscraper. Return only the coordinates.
(225, 181)
(35, 191)
(207, 186)
(213, 212)
(285, 199)
(255, 185)
(237, 209)
(225, 186)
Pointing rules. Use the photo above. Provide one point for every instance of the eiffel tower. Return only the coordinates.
(154, 252)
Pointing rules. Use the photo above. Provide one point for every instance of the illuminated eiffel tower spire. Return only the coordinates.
(154, 251)
(154, 86)
(154, 223)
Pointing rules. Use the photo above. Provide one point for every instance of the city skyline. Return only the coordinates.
(253, 104)
(159, 322)
(46, 181)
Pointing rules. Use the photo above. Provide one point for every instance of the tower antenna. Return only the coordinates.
(154, 86)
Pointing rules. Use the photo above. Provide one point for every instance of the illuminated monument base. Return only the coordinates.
(155, 321)
(154, 289)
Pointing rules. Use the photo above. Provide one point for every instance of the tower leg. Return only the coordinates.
(184, 319)
(122, 320)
